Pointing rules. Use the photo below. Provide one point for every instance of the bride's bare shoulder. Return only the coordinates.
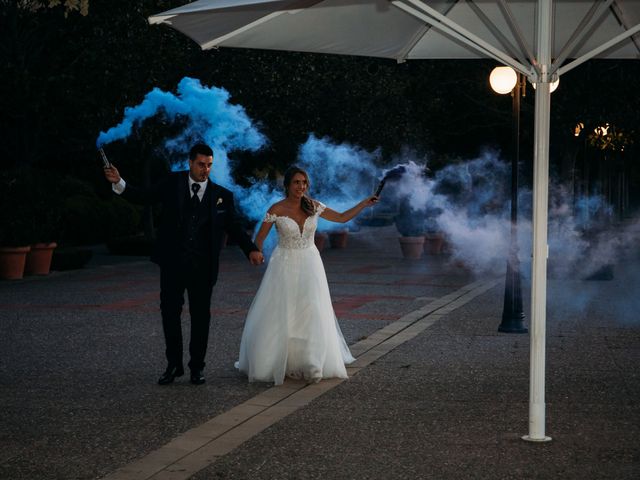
(277, 208)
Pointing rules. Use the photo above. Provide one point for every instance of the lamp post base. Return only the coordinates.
(513, 328)
(527, 438)
(512, 312)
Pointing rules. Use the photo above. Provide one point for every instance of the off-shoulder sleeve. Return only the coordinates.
(269, 218)
(320, 207)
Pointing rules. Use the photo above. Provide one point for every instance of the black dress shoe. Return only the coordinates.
(170, 374)
(197, 377)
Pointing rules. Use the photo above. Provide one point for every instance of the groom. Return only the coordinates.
(195, 214)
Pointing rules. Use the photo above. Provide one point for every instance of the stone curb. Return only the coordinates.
(201, 446)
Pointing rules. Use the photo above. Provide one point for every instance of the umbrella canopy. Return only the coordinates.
(409, 29)
(541, 39)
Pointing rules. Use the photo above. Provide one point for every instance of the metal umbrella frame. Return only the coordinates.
(541, 39)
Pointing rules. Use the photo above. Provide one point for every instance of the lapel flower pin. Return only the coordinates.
(218, 202)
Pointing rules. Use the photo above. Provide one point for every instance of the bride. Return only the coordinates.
(291, 328)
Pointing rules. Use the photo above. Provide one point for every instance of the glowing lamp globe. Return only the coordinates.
(503, 79)
(552, 85)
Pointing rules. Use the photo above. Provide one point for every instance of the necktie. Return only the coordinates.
(194, 199)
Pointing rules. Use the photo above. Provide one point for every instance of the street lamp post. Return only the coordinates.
(504, 80)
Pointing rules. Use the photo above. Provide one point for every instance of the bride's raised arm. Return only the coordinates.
(333, 216)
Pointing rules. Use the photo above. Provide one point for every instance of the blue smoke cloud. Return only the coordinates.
(210, 117)
(467, 201)
(341, 175)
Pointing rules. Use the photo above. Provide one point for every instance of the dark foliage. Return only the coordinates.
(65, 78)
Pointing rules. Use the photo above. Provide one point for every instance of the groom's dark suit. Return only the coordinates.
(187, 249)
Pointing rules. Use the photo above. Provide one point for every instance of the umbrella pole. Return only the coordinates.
(540, 213)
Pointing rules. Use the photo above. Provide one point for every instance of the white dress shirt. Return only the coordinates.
(121, 185)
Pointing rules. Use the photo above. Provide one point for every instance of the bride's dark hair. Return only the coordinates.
(308, 205)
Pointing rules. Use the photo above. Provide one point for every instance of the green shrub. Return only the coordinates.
(30, 202)
(70, 258)
(88, 219)
(124, 218)
(85, 220)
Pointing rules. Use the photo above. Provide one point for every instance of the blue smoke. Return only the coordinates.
(210, 117)
(341, 175)
(468, 201)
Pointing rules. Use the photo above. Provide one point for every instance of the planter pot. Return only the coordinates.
(447, 247)
(320, 239)
(433, 243)
(411, 247)
(461, 264)
(338, 239)
(38, 260)
(12, 260)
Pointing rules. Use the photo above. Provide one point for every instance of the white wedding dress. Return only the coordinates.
(291, 328)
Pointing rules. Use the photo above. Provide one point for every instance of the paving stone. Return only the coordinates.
(81, 352)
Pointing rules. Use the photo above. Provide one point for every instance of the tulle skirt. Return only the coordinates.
(291, 328)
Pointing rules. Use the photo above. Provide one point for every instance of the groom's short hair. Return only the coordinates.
(200, 149)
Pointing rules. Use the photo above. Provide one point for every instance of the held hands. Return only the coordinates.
(256, 258)
(111, 174)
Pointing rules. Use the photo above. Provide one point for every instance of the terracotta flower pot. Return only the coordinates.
(411, 247)
(38, 260)
(320, 239)
(12, 260)
(338, 239)
(433, 243)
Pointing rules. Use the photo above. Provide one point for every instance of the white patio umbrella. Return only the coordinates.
(541, 39)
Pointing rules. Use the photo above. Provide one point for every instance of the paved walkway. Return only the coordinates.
(436, 392)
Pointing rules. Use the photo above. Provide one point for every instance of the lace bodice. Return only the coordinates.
(289, 234)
